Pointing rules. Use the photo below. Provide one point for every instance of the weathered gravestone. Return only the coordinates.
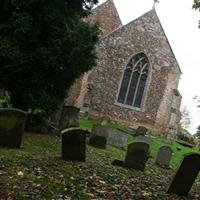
(141, 131)
(137, 155)
(73, 144)
(12, 123)
(69, 117)
(142, 138)
(117, 138)
(185, 175)
(164, 156)
(98, 136)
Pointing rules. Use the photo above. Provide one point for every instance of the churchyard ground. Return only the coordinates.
(36, 171)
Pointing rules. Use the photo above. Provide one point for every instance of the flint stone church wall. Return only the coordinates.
(107, 17)
(108, 20)
(146, 35)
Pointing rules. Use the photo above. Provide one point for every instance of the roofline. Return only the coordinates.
(117, 13)
(153, 9)
(168, 41)
(126, 24)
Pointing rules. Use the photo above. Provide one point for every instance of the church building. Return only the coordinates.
(136, 78)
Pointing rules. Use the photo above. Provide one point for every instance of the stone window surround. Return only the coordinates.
(144, 98)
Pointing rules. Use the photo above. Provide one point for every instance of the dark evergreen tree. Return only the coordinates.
(196, 6)
(44, 46)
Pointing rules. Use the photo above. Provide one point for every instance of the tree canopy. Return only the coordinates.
(196, 6)
(185, 118)
(197, 134)
(44, 47)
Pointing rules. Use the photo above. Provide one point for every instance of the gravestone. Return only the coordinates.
(69, 117)
(117, 138)
(137, 155)
(178, 148)
(84, 111)
(164, 156)
(131, 129)
(73, 144)
(141, 131)
(12, 123)
(185, 175)
(142, 138)
(98, 136)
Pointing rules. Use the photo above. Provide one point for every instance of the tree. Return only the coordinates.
(196, 6)
(197, 134)
(185, 118)
(44, 47)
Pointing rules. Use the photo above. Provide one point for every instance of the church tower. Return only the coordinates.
(107, 17)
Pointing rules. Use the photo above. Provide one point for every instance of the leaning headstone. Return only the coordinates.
(141, 131)
(185, 175)
(137, 155)
(12, 123)
(131, 130)
(73, 144)
(98, 136)
(164, 156)
(69, 117)
(117, 138)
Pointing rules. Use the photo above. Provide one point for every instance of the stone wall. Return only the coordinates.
(98, 89)
(74, 93)
(107, 17)
(166, 110)
(145, 34)
(178, 105)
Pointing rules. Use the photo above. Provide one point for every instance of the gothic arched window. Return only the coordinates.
(134, 81)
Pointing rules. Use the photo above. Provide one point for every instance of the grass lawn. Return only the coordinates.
(36, 171)
(157, 142)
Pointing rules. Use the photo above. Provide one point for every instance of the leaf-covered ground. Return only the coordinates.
(37, 172)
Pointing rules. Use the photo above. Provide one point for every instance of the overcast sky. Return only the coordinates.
(180, 23)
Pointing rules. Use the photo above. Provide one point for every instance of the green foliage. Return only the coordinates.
(44, 47)
(176, 92)
(196, 6)
(184, 137)
(185, 118)
(197, 134)
(5, 101)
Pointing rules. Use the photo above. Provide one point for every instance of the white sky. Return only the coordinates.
(180, 23)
